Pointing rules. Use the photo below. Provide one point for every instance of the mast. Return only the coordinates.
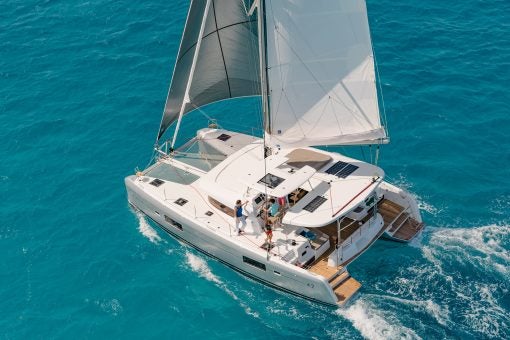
(263, 66)
(192, 71)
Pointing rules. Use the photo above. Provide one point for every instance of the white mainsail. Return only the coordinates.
(227, 64)
(321, 76)
(317, 56)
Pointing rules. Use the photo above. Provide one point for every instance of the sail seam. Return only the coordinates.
(221, 51)
(208, 34)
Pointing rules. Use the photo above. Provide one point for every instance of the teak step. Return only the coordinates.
(408, 230)
(346, 290)
(389, 206)
(399, 222)
(339, 279)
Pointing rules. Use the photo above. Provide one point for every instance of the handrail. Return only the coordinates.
(396, 218)
(363, 226)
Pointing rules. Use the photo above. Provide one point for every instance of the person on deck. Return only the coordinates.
(274, 207)
(239, 217)
(269, 233)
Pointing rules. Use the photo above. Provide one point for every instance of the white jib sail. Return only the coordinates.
(321, 74)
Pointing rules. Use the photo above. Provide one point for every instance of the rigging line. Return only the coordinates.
(159, 134)
(256, 86)
(385, 120)
(201, 111)
(363, 152)
(221, 49)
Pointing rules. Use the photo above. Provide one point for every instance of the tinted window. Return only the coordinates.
(254, 263)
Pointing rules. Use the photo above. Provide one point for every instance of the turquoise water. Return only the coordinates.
(82, 87)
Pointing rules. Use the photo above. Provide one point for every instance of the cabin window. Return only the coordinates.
(173, 223)
(181, 201)
(157, 182)
(271, 180)
(254, 263)
(315, 203)
(208, 213)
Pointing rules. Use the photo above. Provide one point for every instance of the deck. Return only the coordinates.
(344, 286)
(398, 222)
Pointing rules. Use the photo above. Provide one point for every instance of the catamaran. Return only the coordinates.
(313, 67)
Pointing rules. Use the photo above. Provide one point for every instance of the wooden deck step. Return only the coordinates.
(346, 290)
(408, 230)
(320, 266)
(399, 222)
(389, 206)
(339, 279)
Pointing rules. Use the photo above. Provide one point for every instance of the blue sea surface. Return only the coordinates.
(82, 88)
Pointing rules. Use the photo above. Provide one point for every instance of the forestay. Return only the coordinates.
(227, 63)
(321, 74)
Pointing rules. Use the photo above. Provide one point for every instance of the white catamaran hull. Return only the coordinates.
(288, 278)
(309, 212)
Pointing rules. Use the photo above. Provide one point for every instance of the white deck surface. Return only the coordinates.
(237, 178)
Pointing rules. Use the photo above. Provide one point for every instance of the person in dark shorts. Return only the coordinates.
(269, 232)
(239, 217)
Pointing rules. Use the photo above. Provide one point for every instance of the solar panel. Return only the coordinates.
(349, 169)
(314, 204)
(336, 167)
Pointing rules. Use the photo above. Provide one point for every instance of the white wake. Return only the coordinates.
(374, 323)
(462, 282)
(146, 230)
(199, 266)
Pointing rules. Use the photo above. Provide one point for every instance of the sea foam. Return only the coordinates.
(146, 230)
(374, 323)
(199, 265)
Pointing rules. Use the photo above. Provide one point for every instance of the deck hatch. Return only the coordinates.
(157, 182)
(315, 203)
(271, 180)
(181, 201)
(224, 137)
